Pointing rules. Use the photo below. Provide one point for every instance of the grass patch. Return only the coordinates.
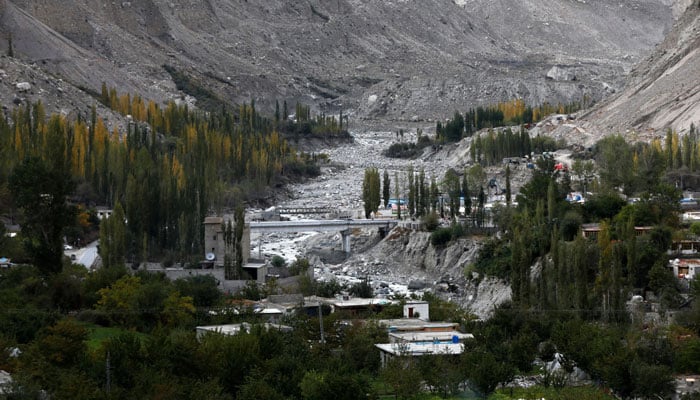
(539, 392)
(98, 334)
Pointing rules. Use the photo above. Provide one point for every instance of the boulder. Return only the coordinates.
(560, 74)
(416, 285)
(23, 86)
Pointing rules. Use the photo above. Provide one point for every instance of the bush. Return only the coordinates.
(570, 225)
(494, 259)
(695, 228)
(407, 150)
(441, 237)
(204, 290)
(430, 221)
(300, 266)
(457, 231)
(96, 317)
(278, 261)
(328, 289)
(362, 289)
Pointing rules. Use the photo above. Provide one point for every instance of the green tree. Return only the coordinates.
(410, 178)
(615, 162)
(403, 375)
(40, 192)
(362, 289)
(484, 371)
(203, 289)
(278, 261)
(371, 191)
(664, 284)
(422, 194)
(120, 300)
(386, 188)
(397, 195)
(239, 219)
(652, 381)
(452, 188)
(466, 193)
(508, 194)
(551, 201)
(177, 310)
(113, 238)
(441, 373)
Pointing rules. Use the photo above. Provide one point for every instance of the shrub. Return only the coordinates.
(300, 266)
(695, 228)
(430, 221)
(328, 289)
(441, 237)
(457, 231)
(494, 259)
(362, 289)
(278, 261)
(408, 150)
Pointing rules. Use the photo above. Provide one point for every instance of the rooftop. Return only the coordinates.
(423, 336)
(406, 324)
(420, 349)
(233, 329)
(358, 302)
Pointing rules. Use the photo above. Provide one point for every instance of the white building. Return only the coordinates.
(417, 309)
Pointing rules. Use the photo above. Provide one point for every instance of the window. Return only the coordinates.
(214, 237)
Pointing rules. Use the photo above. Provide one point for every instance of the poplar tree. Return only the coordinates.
(508, 195)
(467, 194)
(229, 248)
(422, 194)
(112, 247)
(580, 266)
(397, 195)
(551, 202)
(453, 190)
(386, 188)
(239, 219)
(40, 191)
(370, 191)
(434, 193)
(482, 202)
(411, 192)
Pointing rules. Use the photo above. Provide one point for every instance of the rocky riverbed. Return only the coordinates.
(402, 263)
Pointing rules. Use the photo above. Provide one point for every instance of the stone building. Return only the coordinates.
(214, 247)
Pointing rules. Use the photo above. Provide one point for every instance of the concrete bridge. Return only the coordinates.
(344, 226)
(276, 213)
(305, 210)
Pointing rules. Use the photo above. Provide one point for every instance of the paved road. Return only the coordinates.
(85, 256)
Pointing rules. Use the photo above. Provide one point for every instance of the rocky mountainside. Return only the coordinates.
(406, 257)
(388, 60)
(662, 91)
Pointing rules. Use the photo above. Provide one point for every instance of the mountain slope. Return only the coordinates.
(664, 90)
(381, 59)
